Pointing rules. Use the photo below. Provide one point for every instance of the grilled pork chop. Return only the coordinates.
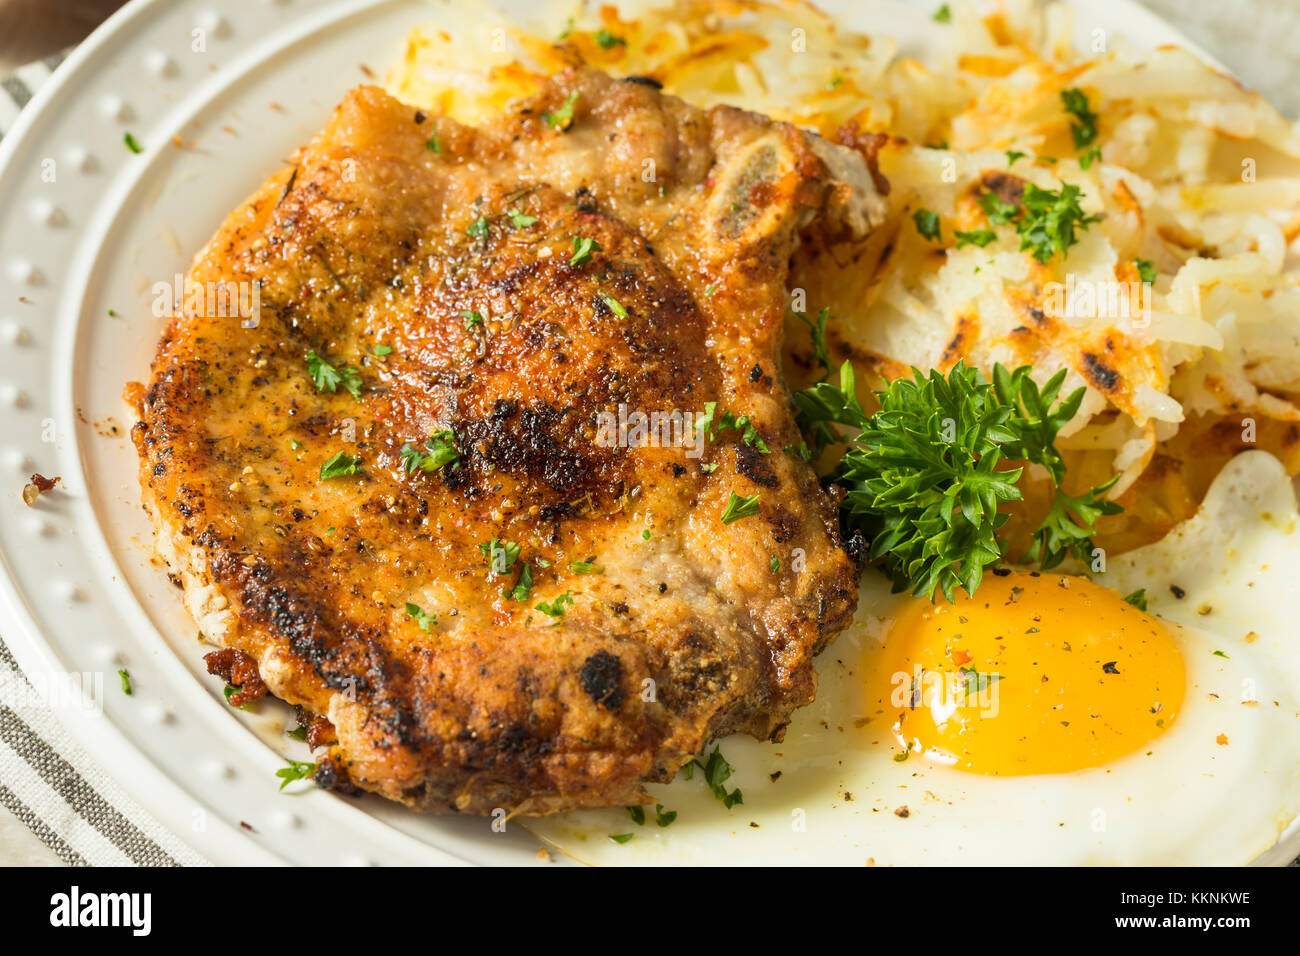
(440, 540)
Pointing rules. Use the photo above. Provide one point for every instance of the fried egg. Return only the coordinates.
(1046, 720)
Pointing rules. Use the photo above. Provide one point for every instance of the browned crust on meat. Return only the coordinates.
(687, 633)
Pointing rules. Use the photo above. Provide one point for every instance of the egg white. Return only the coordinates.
(1217, 787)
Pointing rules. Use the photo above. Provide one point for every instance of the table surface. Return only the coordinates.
(1259, 39)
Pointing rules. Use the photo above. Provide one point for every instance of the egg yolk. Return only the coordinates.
(1037, 673)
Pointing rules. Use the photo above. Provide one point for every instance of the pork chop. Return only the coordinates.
(405, 492)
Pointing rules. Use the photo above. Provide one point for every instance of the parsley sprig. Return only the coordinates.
(924, 477)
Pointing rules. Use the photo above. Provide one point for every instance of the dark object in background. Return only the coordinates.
(34, 29)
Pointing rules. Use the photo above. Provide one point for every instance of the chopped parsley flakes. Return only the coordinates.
(712, 423)
(230, 690)
(440, 450)
(520, 220)
(1047, 220)
(976, 237)
(614, 305)
(297, 770)
(329, 377)
(423, 618)
(501, 555)
(555, 608)
(562, 118)
(583, 247)
(738, 507)
(927, 224)
(339, 465)
(716, 773)
(523, 585)
(1084, 125)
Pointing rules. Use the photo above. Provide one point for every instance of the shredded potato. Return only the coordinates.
(1196, 176)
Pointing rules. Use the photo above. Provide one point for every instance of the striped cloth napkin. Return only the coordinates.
(47, 780)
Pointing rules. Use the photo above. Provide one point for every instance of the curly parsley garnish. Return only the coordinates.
(923, 478)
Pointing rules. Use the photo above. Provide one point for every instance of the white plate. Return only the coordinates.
(88, 227)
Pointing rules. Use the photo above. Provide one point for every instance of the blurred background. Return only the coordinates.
(1259, 39)
(33, 29)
